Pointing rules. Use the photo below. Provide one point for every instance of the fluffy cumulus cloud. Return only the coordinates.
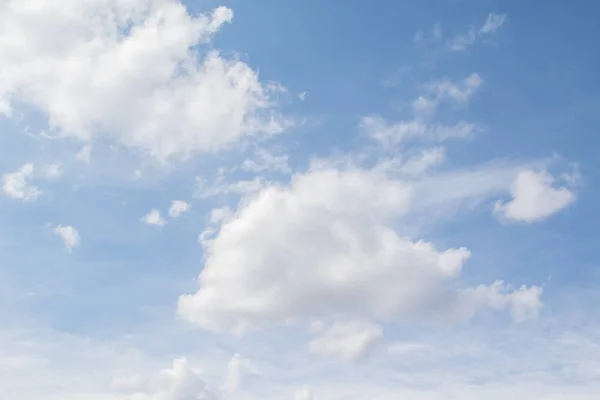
(183, 381)
(154, 218)
(534, 197)
(523, 303)
(180, 382)
(178, 208)
(237, 367)
(131, 70)
(326, 247)
(18, 184)
(69, 235)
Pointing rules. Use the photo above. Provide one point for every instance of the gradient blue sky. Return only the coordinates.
(76, 320)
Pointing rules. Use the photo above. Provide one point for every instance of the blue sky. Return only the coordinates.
(298, 200)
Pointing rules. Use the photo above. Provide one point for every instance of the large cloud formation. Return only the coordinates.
(326, 246)
(133, 70)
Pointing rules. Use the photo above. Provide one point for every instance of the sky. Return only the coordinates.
(237, 200)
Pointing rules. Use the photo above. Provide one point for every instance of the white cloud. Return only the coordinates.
(491, 25)
(266, 161)
(420, 126)
(246, 187)
(184, 382)
(181, 382)
(465, 363)
(461, 93)
(534, 198)
(154, 218)
(302, 95)
(69, 236)
(178, 208)
(524, 303)
(390, 134)
(303, 394)
(461, 42)
(204, 189)
(325, 247)
(5, 107)
(236, 368)
(468, 187)
(350, 340)
(218, 215)
(424, 106)
(18, 184)
(424, 161)
(331, 248)
(128, 70)
(205, 237)
(447, 89)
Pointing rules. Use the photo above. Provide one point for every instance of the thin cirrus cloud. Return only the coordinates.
(265, 161)
(462, 42)
(422, 125)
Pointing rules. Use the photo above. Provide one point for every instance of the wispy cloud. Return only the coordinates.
(491, 25)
